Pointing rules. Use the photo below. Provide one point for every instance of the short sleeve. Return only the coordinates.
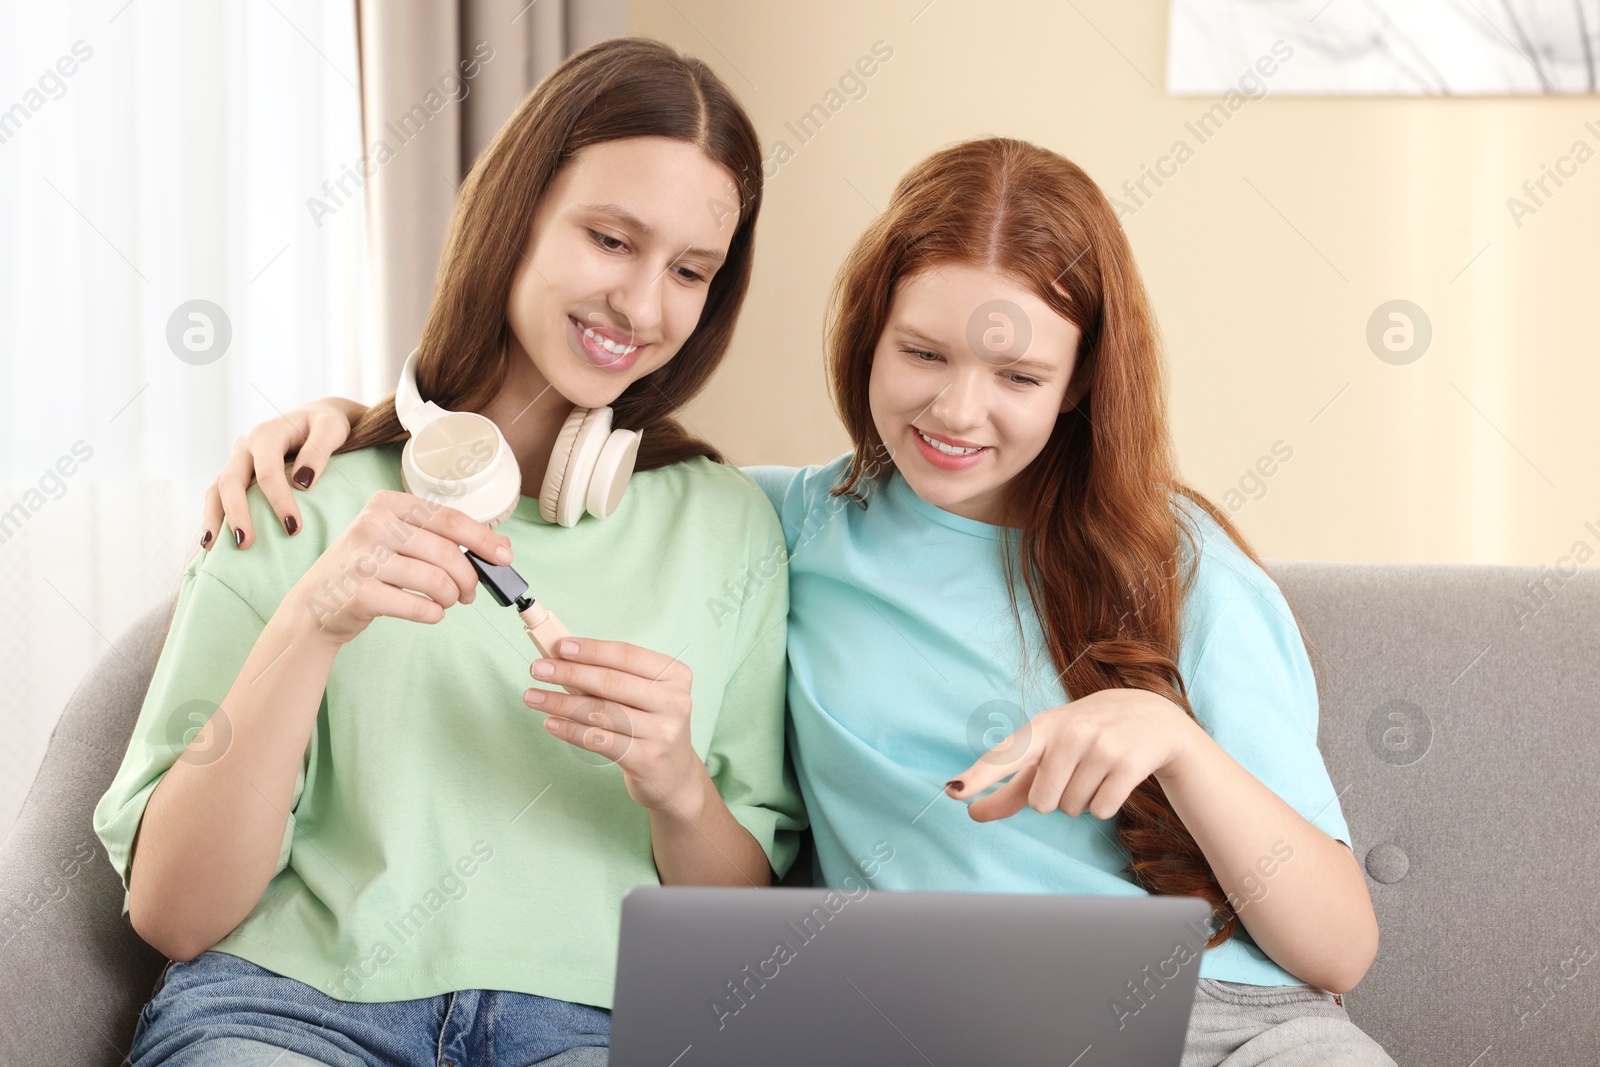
(747, 758)
(212, 632)
(1253, 689)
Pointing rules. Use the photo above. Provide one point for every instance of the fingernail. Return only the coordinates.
(569, 648)
(205, 539)
(954, 785)
(238, 538)
(534, 696)
(302, 477)
(502, 555)
(290, 525)
(543, 668)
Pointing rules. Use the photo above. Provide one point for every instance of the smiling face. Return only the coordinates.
(968, 378)
(623, 248)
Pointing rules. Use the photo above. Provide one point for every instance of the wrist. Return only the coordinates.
(301, 620)
(690, 799)
(1191, 739)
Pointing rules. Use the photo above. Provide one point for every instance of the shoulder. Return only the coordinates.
(1231, 595)
(722, 499)
(340, 491)
(710, 482)
(796, 492)
(1222, 568)
(276, 559)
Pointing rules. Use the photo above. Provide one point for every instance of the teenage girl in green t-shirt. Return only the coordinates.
(599, 253)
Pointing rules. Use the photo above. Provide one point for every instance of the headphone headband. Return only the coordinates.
(409, 407)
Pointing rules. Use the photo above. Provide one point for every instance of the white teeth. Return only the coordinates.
(949, 450)
(607, 344)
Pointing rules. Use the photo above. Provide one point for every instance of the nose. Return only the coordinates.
(637, 300)
(959, 406)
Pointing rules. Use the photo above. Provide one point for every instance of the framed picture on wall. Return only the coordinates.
(1373, 48)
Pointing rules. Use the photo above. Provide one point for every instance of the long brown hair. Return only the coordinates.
(622, 87)
(1099, 547)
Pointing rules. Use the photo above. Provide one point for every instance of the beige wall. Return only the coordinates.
(1265, 255)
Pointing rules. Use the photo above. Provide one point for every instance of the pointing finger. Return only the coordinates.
(1020, 750)
(1007, 800)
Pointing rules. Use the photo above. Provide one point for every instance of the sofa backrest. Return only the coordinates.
(1460, 718)
(1460, 721)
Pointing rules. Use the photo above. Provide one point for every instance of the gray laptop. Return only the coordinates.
(710, 977)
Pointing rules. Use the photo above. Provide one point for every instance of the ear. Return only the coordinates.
(1073, 395)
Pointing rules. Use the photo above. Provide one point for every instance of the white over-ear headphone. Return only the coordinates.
(460, 458)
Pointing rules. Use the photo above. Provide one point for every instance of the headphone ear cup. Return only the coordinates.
(503, 516)
(592, 436)
(555, 473)
(612, 471)
(443, 462)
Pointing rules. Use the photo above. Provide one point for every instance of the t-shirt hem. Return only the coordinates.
(389, 984)
(1236, 966)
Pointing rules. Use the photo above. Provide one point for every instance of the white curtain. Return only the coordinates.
(154, 153)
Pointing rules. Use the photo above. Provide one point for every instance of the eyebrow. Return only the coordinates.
(1043, 366)
(633, 222)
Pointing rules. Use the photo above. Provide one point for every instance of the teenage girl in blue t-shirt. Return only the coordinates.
(996, 363)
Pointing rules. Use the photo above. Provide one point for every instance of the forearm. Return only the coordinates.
(212, 830)
(1310, 912)
(697, 841)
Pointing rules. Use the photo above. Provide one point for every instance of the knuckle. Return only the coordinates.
(364, 527)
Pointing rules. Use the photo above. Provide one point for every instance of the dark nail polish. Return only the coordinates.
(205, 539)
(290, 525)
(954, 785)
(302, 477)
(238, 538)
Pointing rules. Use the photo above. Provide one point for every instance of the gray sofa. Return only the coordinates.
(1459, 722)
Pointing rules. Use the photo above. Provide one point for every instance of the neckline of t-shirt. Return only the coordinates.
(902, 491)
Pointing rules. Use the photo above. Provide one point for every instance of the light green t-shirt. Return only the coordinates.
(441, 839)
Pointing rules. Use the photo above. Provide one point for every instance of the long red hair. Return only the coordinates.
(1100, 547)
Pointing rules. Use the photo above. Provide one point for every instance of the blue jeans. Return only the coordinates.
(1238, 1025)
(221, 1009)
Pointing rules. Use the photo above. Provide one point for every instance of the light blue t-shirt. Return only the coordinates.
(905, 666)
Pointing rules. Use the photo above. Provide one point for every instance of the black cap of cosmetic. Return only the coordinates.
(506, 584)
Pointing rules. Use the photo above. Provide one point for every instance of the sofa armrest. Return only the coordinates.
(73, 974)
